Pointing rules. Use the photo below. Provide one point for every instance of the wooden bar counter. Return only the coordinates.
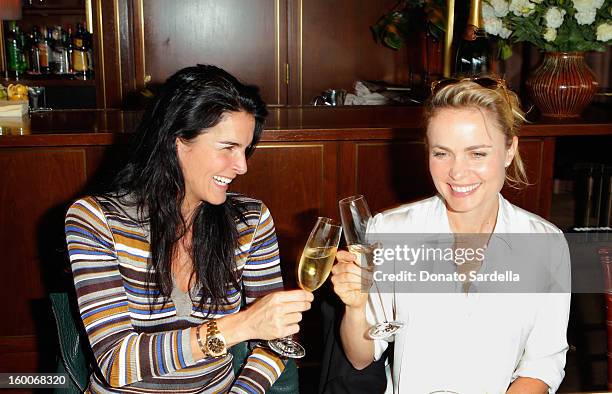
(307, 160)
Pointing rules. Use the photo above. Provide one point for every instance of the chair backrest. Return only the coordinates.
(72, 345)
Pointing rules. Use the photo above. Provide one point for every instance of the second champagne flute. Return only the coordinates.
(314, 268)
(355, 216)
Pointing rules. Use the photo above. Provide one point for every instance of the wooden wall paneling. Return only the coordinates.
(337, 47)
(299, 187)
(137, 8)
(126, 47)
(243, 37)
(538, 157)
(390, 173)
(19, 354)
(294, 52)
(107, 51)
(547, 169)
(347, 155)
(36, 185)
(102, 163)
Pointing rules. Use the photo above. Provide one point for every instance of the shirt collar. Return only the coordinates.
(505, 222)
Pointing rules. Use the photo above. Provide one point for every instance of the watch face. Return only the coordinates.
(216, 346)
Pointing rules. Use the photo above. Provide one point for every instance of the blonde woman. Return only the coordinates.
(463, 342)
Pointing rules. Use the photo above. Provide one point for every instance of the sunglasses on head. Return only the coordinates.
(485, 82)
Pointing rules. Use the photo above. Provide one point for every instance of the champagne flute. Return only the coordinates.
(315, 265)
(355, 216)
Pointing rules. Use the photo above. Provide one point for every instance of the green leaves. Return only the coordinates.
(505, 49)
(408, 17)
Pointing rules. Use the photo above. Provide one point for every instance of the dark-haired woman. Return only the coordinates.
(163, 260)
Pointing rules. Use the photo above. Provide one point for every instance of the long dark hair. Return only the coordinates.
(190, 102)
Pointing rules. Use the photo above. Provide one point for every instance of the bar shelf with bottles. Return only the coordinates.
(49, 55)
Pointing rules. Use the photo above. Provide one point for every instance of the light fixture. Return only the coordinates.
(10, 10)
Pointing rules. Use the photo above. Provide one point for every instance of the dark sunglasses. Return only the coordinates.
(485, 82)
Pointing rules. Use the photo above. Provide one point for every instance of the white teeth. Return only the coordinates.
(465, 189)
(222, 180)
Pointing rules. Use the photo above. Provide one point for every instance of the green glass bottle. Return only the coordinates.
(14, 51)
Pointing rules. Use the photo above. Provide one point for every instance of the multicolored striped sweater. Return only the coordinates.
(141, 344)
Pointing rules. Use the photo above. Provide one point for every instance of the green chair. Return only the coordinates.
(73, 360)
(74, 350)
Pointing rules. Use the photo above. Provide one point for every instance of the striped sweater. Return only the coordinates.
(141, 344)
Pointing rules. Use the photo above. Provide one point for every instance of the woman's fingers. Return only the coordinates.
(297, 306)
(351, 282)
(293, 295)
(346, 266)
(277, 314)
(291, 330)
(293, 318)
(348, 287)
(345, 257)
(350, 272)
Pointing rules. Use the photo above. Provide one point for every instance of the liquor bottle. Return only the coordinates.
(88, 43)
(24, 61)
(14, 51)
(66, 53)
(44, 51)
(34, 51)
(60, 53)
(79, 53)
(53, 55)
(473, 49)
(69, 46)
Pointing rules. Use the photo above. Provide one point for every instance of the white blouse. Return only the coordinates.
(474, 343)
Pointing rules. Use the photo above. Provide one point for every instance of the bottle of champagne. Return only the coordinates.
(473, 49)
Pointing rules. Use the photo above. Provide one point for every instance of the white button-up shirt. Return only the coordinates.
(476, 342)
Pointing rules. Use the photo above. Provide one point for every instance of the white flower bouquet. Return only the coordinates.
(551, 25)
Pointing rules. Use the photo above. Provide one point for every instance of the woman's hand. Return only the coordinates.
(350, 281)
(277, 314)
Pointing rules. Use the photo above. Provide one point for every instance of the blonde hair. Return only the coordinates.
(493, 98)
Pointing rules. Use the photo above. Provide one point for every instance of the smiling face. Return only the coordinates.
(468, 155)
(212, 160)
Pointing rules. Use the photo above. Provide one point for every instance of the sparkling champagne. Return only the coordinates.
(315, 266)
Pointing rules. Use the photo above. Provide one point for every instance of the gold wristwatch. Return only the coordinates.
(215, 341)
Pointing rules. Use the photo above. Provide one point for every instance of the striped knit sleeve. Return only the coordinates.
(123, 355)
(261, 275)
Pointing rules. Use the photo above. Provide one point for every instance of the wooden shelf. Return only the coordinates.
(53, 11)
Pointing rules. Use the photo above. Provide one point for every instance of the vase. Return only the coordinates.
(563, 85)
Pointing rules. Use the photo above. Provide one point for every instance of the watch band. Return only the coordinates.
(211, 329)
